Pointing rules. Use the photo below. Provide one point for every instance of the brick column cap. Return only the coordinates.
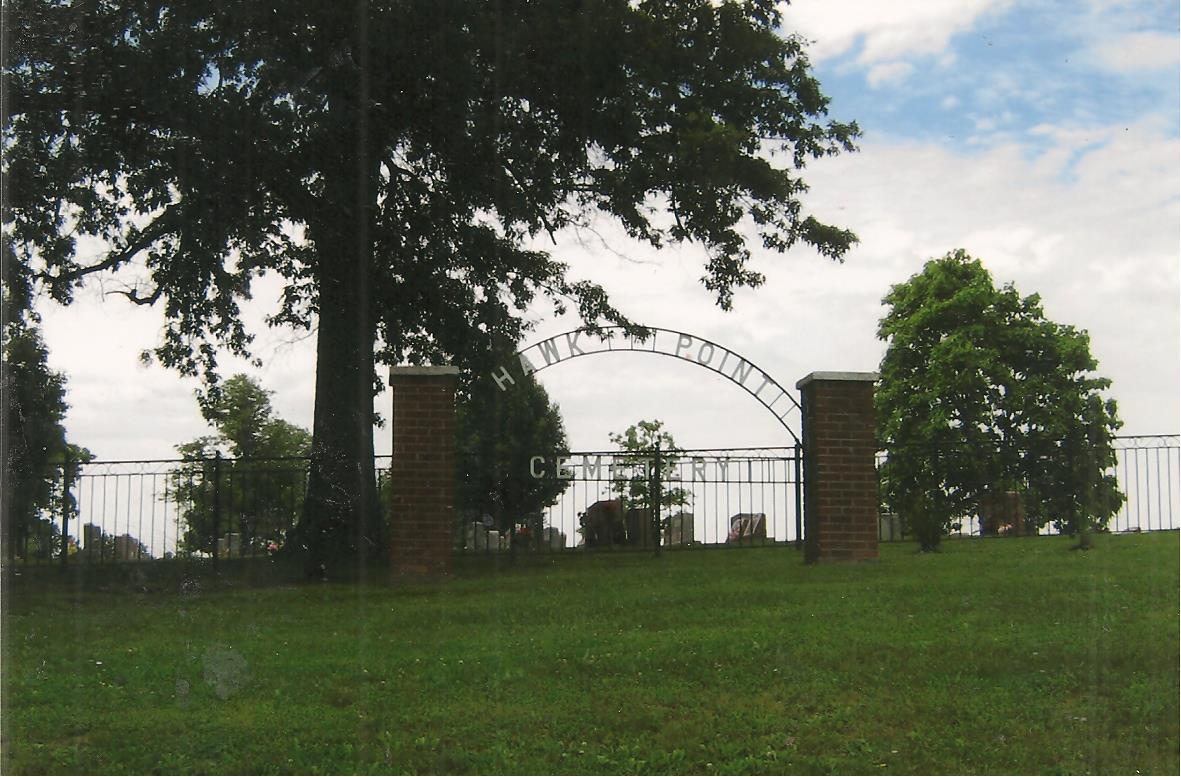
(414, 372)
(854, 377)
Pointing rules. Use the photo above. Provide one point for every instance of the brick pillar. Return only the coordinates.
(422, 509)
(840, 479)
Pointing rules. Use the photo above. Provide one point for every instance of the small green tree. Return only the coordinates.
(500, 429)
(243, 479)
(640, 445)
(979, 392)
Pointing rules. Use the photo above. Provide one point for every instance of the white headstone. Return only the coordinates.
(553, 537)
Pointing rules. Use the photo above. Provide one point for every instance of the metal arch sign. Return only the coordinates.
(664, 342)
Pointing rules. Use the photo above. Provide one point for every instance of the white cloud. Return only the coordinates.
(1139, 51)
(887, 31)
(1093, 230)
(122, 409)
(889, 73)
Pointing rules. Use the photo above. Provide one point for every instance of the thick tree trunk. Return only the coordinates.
(341, 524)
(341, 527)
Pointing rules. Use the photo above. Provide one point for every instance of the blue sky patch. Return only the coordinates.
(1035, 64)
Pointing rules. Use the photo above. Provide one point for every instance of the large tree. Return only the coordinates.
(981, 393)
(391, 161)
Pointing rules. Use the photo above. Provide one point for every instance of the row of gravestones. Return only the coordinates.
(678, 531)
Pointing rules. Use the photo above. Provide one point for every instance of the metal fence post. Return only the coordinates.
(799, 464)
(216, 502)
(655, 496)
(66, 467)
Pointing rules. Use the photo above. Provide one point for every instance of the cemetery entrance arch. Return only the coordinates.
(664, 342)
(742, 496)
(835, 445)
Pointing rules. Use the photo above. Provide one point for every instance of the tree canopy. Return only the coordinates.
(391, 162)
(981, 393)
(636, 468)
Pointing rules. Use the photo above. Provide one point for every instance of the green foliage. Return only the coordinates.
(982, 659)
(248, 479)
(392, 166)
(979, 392)
(635, 467)
(537, 114)
(36, 453)
(40, 541)
(499, 431)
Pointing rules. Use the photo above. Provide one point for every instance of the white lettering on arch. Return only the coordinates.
(741, 371)
(503, 378)
(766, 382)
(549, 352)
(572, 344)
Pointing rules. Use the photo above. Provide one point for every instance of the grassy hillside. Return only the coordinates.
(1012, 655)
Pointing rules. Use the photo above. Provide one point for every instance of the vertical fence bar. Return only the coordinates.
(234, 508)
(88, 503)
(657, 497)
(119, 549)
(765, 478)
(1160, 493)
(216, 503)
(1135, 462)
(1148, 491)
(289, 517)
(139, 537)
(726, 522)
(1121, 477)
(152, 520)
(799, 496)
(1169, 481)
(67, 465)
(102, 550)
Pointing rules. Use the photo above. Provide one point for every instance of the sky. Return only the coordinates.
(1040, 136)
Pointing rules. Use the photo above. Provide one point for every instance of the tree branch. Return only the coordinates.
(160, 226)
(133, 296)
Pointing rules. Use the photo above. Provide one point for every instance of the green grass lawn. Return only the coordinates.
(1008, 655)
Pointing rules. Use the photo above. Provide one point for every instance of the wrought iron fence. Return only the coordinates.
(107, 511)
(140, 510)
(224, 508)
(1146, 471)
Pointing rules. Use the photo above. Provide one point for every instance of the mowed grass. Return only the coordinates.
(992, 656)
